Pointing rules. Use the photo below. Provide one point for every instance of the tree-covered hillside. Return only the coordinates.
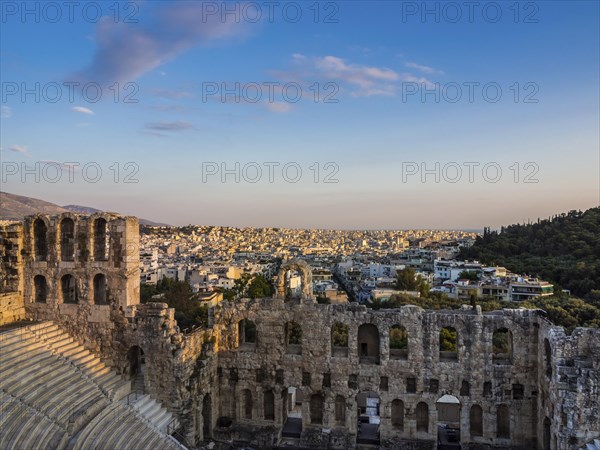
(564, 249)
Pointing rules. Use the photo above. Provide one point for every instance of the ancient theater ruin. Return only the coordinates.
(84, 365)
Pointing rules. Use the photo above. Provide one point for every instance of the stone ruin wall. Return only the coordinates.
(201, 376)
(12, 307)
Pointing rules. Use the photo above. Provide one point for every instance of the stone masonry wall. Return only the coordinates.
(549, 382)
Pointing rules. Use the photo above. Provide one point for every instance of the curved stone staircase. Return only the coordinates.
(55, 394)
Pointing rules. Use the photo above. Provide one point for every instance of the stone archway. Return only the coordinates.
(368, 418)
(137, 369)
(305, 276)
(448, 426)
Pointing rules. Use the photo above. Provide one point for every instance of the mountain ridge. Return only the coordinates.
(16, 207)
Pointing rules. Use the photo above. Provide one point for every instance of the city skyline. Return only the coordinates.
(370, 122)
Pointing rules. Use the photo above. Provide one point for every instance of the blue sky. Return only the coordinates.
(530, 132)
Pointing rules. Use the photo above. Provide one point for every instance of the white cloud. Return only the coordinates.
(17, 149)
(357, 79)
(278, 107)
(6, 112)
(82, 110)
(424, 69)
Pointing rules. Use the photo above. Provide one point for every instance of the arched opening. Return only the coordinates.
(503, 422)
(40, 289)
(502, 346)
(339, 340)
(67, 240)
(294, 280)
(137, 369)
(247, 333)
(100, 294)
(448, 427)
(422, 415)
(316, 409)
(206, 417)
(269, 405)
(248, 405)
(68, 289)
(476, 420)
(398, 414)
(340, 410)
(547, 434)
(40, 240)
(548, 357)
(101, 240)
(368, 344)
(448, 344)
(398, 342)
(292, 417)
(293, 338)
(368, 418)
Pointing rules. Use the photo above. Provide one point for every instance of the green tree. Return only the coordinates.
(398, 338)
(448, 339)
(260, 287)
(339, 335)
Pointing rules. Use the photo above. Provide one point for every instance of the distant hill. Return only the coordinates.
(81, 209)
(18, 206)
(564, 249)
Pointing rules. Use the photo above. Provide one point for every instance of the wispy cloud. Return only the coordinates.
(6, 112)
(83, 110)
(125, 51)
(424, 69)
(278, 107)
(169, 126)
(358, 79)
(21, 149)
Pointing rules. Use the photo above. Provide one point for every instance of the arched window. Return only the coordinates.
(423, 417)
(67, 240)
(398, 414)
(269, 405)
(247, 332)
(548, 357)
(340, 410)
(316, 409)
(476, 421)
(503, 422)
(547, 434)
(68, 289)
(293, 338)
(502, 346)
(448, 344)
(339, 339)
(100, 240)
(247, 396)
(368, 344)
(40, 240)
(100, 295)
(41, 289)
(398, 342)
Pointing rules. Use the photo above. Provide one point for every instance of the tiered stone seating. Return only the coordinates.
(593, 445)
(25, 428)
(154, 412)
(55, 394)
